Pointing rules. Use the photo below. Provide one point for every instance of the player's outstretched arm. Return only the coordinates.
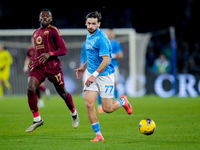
(26, 63)
(80, 70)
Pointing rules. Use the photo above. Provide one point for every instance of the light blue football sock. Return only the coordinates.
(122, 102)
(96, 128)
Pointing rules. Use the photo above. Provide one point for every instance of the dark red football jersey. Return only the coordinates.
(46, 40)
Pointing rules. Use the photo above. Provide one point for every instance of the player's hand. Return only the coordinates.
(30, 65)
(90, 80)
(25, 69)
(79, 72)
(43, 57)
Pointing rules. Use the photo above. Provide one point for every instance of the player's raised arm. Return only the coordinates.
(80, 70)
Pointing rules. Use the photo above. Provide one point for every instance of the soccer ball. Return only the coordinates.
(147, 126)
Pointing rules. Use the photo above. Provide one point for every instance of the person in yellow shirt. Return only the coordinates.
(5, 63)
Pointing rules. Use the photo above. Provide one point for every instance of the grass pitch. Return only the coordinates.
(177, 121)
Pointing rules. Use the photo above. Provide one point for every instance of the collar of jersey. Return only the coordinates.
(96, 32)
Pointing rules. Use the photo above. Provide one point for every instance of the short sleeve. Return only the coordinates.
(104, 46)
(119, 47)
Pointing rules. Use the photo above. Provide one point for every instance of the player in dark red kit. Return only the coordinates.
(30, 53)
(48, 45)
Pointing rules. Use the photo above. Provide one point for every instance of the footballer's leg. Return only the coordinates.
(59, 85)
(33, 84)
(40, 100)
(70, 104)
(90, 98)
(109, 105)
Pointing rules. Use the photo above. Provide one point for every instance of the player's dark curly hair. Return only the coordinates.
(94, 14)
(46, 9)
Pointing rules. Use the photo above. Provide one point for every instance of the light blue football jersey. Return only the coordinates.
(116, 48)
(98, 45)
(83, 58)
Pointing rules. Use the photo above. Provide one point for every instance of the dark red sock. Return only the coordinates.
(69, 102)
(36, 114)
(32, 101)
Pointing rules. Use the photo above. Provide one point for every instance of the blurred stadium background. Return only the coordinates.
(150, 21)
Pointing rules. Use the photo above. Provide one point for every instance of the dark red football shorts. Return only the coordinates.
(54, 75)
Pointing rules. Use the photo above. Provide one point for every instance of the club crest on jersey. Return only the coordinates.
(39, 40)
(46, 32)
(90, 45)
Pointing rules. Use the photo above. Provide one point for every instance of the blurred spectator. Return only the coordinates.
(161, 65)
(5, 63)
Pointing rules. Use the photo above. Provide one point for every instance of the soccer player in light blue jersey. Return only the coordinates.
(116, 54)
(83, 59)
(99, 74)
